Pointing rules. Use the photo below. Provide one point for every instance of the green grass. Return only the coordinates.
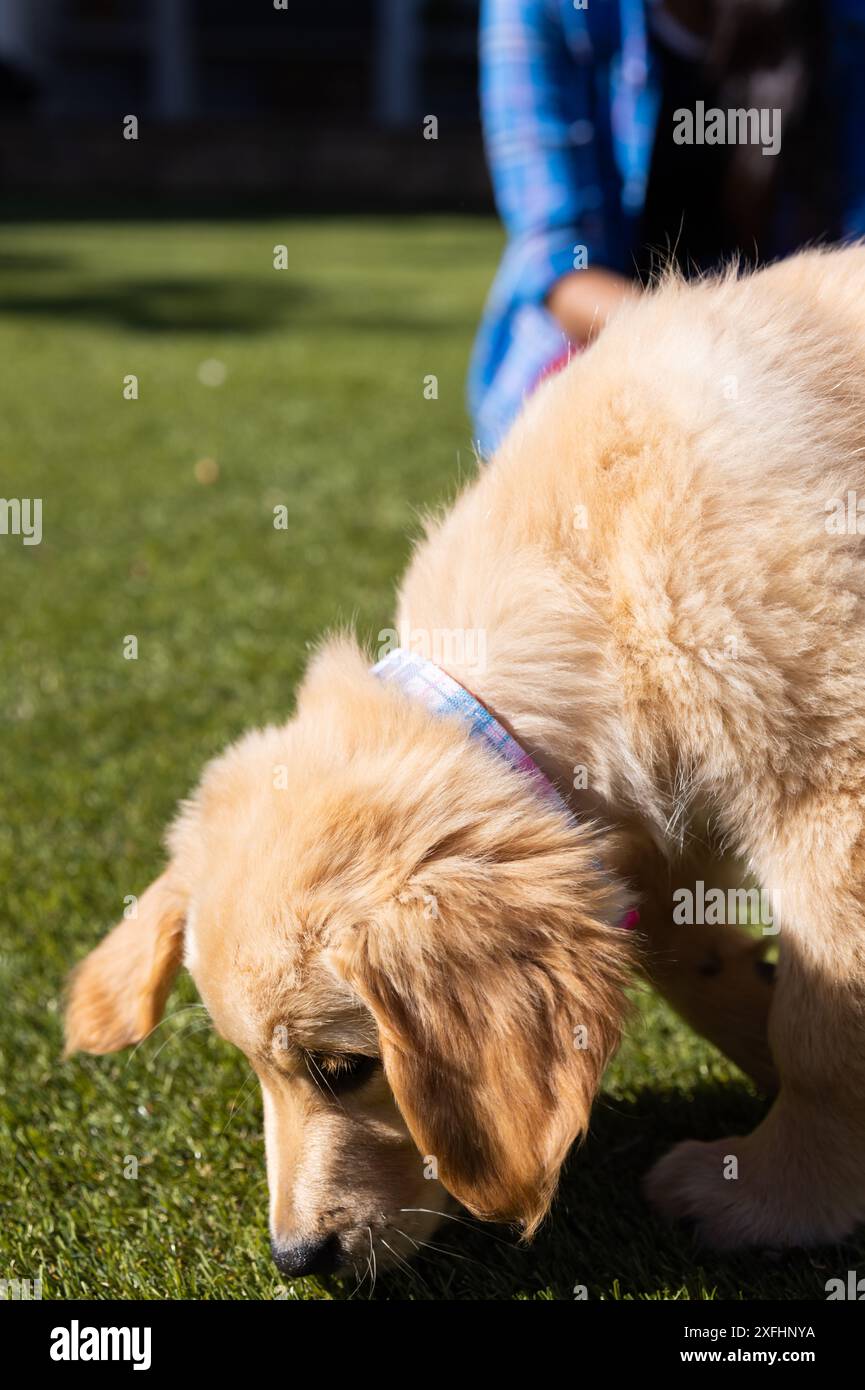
(322, 410)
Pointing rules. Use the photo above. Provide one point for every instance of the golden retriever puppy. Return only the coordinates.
(420, 946)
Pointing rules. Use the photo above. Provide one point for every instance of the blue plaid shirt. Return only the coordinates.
(569, 99)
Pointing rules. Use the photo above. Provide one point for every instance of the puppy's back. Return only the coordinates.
(663, 509)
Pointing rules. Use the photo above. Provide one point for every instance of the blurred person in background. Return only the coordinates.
(598, 184)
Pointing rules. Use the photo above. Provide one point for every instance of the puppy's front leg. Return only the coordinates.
(718, 981)
(715, 977)
(799, 1178)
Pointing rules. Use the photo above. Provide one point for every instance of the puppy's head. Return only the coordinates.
(418, 956)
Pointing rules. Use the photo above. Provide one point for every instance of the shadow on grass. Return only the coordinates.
(33, 260)
(206, 303)
(601, 1234)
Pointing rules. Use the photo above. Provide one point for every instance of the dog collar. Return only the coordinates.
(423, 680)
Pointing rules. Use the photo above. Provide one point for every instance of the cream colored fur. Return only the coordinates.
(663, 606)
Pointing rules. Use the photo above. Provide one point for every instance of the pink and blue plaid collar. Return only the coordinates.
(442, 695)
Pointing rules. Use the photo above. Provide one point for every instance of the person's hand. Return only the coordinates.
(583, 300)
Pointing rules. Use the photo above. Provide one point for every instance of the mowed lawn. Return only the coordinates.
(158, 524)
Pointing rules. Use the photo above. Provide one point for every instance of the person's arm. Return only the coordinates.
(543, 162)
(583, 300)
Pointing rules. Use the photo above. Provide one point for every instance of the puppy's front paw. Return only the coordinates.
(721, 1187)
(689, 1184)
(739, 1193)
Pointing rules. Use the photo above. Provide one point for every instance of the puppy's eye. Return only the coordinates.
(340, 1072)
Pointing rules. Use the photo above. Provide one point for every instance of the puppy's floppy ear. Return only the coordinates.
(118, 992)
(482, 978)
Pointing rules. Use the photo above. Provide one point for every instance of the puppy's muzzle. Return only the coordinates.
(319, 1255)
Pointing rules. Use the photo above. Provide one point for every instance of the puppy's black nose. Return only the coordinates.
(298, 1257)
